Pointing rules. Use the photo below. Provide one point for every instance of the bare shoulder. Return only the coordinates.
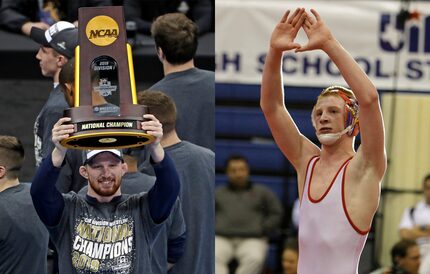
(308, 151)
(303, 165)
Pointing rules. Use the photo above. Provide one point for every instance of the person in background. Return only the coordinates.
(144, 12)
(57, 46)
(21, 15)
(247, 215)
(23, 237)
(290, 256)
(196, 166)
(415, 225)
(405, 258)
(192, 89)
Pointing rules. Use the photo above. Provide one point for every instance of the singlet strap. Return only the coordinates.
(331, 183)
(310, 165)
(359, 231)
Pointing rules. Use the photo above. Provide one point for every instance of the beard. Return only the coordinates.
(105, 189)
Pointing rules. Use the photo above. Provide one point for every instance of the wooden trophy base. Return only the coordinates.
(122, 131)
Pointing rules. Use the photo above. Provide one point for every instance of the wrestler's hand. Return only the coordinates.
(285, 32)
(318, 33)
(153, 127)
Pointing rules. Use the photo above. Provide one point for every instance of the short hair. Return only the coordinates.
(161, 106)
(67, 73)
(400, 249)
(177, 36)
(235, 157)
(426, 178)
(132, 152)
(292, 244)
(11, 155)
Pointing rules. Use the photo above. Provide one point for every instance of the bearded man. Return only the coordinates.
(105, 231)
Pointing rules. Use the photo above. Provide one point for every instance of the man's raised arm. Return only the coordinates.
(285, 132)
(371, 123)
(163, 194)
(47, 200)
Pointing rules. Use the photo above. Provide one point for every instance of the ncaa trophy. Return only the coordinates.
(105, 112)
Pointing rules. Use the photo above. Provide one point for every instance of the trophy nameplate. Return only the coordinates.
(105, 112)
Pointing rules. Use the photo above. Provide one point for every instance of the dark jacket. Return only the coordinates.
(14, 13)
(143, 12)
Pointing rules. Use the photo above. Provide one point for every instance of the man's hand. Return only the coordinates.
(59, 133)
(285, 32)
(153, 127)
(317, 31)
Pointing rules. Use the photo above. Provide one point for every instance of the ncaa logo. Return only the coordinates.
(415, 38)
(102, 30)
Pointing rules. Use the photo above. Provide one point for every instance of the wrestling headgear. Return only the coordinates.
(351, 114)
